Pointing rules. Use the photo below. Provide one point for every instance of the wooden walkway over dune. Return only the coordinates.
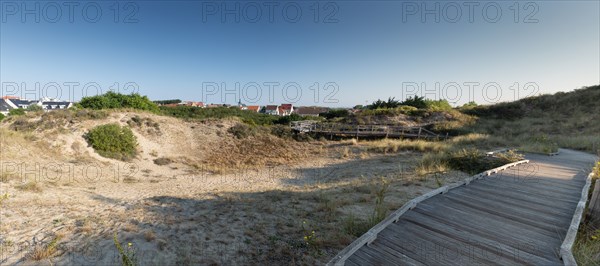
(348, 130)
(517, 216)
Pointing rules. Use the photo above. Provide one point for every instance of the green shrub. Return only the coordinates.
(112, 100)
(2, 117)
(438, 105)
(334, 113)
(16, 112)
(90, 114)
(34, 108)
(473, 161)
(282, 131)
(415, 101)
(191, 112)
(286, 120)
(242, 131)
(113, 141)
(391, 103)
(509, 157)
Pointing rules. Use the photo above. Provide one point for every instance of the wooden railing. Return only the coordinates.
(339, 129)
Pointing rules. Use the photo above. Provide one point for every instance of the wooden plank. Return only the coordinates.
(513, 252)
(532, 191)
(386, 246)
(523, 202)
(548, 201)
(500, 203)
(541, 222)
(493, 225)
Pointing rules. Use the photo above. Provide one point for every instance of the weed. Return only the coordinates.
(128, 257)
(41, 252)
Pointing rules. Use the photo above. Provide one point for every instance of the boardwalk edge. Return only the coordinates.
(566, 253)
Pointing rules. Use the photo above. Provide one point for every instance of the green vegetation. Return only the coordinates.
(414, 101)
(468, 160)
(113, 141)
(242, 131)
(34, 108)
(586, 248)
(128, 257)
(190, 112)
(354, 226)
(2, 117)
(168, 101)
(112, 100)
(16, 112)
(568, 120)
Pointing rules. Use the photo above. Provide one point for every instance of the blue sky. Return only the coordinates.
(352, 53)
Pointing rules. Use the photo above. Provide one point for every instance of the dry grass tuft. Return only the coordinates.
(31, 186)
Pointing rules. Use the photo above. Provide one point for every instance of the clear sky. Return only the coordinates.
(306, 52)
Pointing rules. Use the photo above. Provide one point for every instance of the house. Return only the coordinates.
(23, 103)
(54, 105)
(194, 104)
(286, 109)
(5, 107)
(272, 110)
(310, 110)
(253, 108)
(241, 105)
(47, 104)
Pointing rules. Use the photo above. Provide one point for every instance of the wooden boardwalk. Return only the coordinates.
(348, 130)
(515, 217)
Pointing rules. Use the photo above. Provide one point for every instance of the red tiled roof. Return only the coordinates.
(255, 108)
(272, 107)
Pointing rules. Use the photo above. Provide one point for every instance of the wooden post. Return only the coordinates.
(419, 135)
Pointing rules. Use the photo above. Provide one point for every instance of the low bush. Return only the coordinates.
(473, 161)
(242, 131)
(162, 161)
(16, 112)
(113, 141)
(282, 131)
(2, 116)
(112, 100)
(34, 108)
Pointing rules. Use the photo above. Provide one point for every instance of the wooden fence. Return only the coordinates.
(347, 130)
(593, 214)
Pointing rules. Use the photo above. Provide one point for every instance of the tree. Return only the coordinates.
(415, 101)
(390, 103)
